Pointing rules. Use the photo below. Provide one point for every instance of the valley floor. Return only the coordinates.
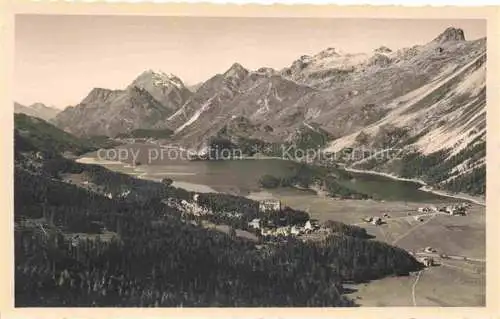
(456, 284)
(451, 282)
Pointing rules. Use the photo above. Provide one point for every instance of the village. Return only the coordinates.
(264, 226)
(452, 210)
(427, 256)
(270, 228)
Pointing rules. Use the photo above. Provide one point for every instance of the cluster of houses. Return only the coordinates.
(375, 220)
(267, 228)
(269, 205)
(453, 210)
(194, 209)
(109, 195)
(264, 226)
(426, 260)
(188, 207)
(460, 209)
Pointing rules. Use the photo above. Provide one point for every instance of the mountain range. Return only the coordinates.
(426, 99)
(150, 98)
(37, 110)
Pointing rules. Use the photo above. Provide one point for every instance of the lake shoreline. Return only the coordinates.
(191, 187)
(424, 186)
(138, 172)
(391, 176)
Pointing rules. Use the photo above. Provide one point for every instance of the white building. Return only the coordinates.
(450, 210)
(269, 205)
(266, 232)
(308, 225)
(295, 230)
(427, 261)
(125, 193)
(285, 231)
(255, 223)
(425, 209)
(429, 250)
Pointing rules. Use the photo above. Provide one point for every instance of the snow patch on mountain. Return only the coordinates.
(473, 83)
(264, 106)
(162, 79)
(412, 110)
(333, 58)
(196, 115)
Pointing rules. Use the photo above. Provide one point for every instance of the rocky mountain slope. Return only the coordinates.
(240, 95)
(37, 110)
(438, 129)
(165, 88)
(150, 98)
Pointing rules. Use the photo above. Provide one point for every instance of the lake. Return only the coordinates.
(240, 177)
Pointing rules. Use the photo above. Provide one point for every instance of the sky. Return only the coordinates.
(60, 58)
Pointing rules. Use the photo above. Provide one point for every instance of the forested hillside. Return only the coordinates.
(309, 176)
(34, 134)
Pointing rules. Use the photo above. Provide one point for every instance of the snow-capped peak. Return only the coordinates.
(158, 79)
(163, 79)
(334, 58)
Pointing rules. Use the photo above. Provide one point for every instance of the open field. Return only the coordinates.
(452, 282)
(437, 286)
(346, 211)
(452, 235)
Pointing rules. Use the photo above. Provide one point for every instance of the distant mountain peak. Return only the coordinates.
(38, 105)
(97, 94)
(147, 101)
(330, 51)
(267, 71)
(38, 109)
(236, 70)
(382, 49)
(451, 34)
(158, 79)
